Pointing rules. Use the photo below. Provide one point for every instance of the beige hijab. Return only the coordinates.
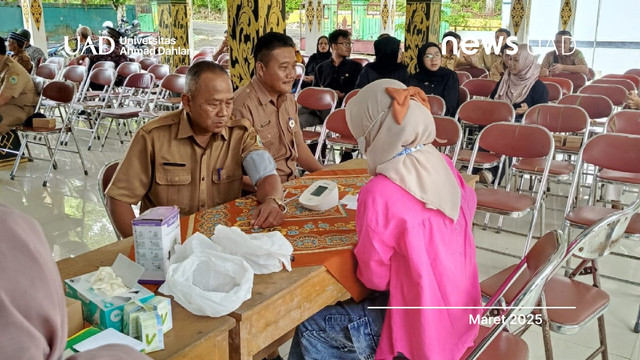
(515, 87)
(422, 172)
(33, 313)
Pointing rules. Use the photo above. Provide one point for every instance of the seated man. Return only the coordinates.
(16, 46)
(117, 56)
(193, 157)
(267, 102)
(35, 53)
(18, 97)
(452, 59)
(223, 47)
(564, 58)
(84, 34)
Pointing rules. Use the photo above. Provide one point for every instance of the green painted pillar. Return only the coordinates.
(422, 25)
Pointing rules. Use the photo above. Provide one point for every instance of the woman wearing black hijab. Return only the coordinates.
(387, 64)
(434, 79)
(323, 53)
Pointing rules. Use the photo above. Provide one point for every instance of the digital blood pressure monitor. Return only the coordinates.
(320, 196)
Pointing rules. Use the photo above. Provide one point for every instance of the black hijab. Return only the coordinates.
(322, 56)
(386, 49)
(424, 74)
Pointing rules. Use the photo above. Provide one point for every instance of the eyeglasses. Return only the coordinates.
(432, 56)
(348, 44)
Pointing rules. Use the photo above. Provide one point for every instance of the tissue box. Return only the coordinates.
(150, 325)
(44, 123)
(99, 309)
(155, 233)
(74, 316)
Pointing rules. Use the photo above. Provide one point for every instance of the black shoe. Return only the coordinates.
(346, 156)
(277, 358)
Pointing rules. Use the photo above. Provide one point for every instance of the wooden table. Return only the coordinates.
(192, 337)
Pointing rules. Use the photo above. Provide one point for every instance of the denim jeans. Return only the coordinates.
(347, 330)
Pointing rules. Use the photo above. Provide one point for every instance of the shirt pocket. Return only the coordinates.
(227, 183)
(174, 183)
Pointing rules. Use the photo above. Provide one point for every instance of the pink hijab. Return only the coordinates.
(33, 313)
(515, 87)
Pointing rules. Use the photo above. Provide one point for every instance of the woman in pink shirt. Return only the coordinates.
(415, 245)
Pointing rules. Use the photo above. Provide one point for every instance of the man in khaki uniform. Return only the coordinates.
(492, 61)
(564, 58)
(267, 102)
(18, 97)
(193, 158)
(16, 46)
(452, 60)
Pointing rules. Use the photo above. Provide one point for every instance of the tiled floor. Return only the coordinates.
(71, 213)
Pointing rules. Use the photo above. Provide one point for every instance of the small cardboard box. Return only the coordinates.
(573, 142)
(99, 309)
(559, 139)
(74, 316)
(155, 233)
(150, 325)
(44, 123)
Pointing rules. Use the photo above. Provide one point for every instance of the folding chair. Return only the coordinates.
(626, 84)
(565, 84)
(362, 61)
(624, 122)
(299, 77)
(319, 99)
(463, 76)
(104, 64)
(104, 179)
(349, 96)
(475, 72)
(616, 93)
(634, 78)
(517, 141)
(578, 80)
(127, 68)
(635, 72)
(463, 96)
(135, 57)
(598, 107)
(159, 71)
(202, 58)
(222, 58)
(524, 282)
(336, 134)
(146, 63)
(450, 131)
(480, 88)
(555, 91)
(170, 85)
(437, 104)
(182, 70)
(57, 61)
(62, 94)
(47, 71)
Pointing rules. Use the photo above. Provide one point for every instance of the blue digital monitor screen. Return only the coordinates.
(319, 190)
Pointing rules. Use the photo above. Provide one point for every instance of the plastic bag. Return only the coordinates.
(265, 252)
(206, 281)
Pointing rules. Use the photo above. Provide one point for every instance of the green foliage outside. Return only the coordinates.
(472, 14)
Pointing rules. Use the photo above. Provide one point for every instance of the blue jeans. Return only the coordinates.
(347, 330)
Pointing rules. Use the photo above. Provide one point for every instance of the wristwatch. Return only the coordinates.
(279, 202)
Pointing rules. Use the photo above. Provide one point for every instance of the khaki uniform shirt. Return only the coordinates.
(15, 81)
(575, 58)
(453, 62)
(276, 123)
(497, 70)
(23, 59)
(165, 165)
(487, 60)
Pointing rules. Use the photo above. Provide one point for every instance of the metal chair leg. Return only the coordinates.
(12, 174)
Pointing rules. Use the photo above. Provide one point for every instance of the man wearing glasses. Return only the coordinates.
(338, 73)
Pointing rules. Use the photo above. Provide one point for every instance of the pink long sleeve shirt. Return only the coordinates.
(422, 258)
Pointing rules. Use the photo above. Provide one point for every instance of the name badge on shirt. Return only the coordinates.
(292, 123)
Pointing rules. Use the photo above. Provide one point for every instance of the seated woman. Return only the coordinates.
(322, 54)
(434, 79)
(415, 245)
(32, 306)
(520, 85)
(387, 65)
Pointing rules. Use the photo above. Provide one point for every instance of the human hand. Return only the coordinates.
(556, 68)
(308, 78)
(266, 215)
(522, 109)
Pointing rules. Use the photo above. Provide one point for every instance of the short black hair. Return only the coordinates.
(196, 70)
(335, 36)
(269, 42)
(3, 46)
(506, 31)
(564, 33)
(452, 33)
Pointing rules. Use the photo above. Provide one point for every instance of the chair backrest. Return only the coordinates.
(60, 91)
(578, 80)
(135, 57)
(299, 76)
(565, 84)
(591, 74)
(38, 83)
(138, 84)
(182, 70)
(597, 106)
(438, 106)
(634, 78)
(318, 98)
(349, 96)
(558, 118)
(173, 83)
(635, 72)
(516, 140)
(222, 58)
(75, 73)
(47, 71)
(139, 81)
(463, 96)
(542, 261)
(362, 61)
(463, 76)
(555, 91)
(104, 64)
(626, 84)
(480, 87)
(624, 122)
(475, 72)
(613, 151)
(104, 179)
(485, 112)
(616, 93)
(159, 71)
(102, 76)
(56, 60)
(450, 131)
(202, 58)
(127, 68)
(336, 122)
(146, 63)
(207, 50)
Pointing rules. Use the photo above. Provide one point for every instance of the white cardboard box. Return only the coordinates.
(155, 233)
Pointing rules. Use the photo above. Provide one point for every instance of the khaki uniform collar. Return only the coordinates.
(185, 130)
(263, 95)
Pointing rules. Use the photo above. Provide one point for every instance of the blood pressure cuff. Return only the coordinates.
(258, 164)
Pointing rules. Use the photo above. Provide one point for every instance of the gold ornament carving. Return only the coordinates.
(416, 32)
(310, 13)
(566, 12)
(384, 13)
(36, 12)
(434, 18)
(26, 10)
(517, 14)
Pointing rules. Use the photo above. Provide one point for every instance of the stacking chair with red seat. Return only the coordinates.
(518, 142)
(463, 96)
(616, 93)
(57, 61)
(480, 88)
(47, 71)
(146, 63)
(299, 77)
(565, 84)
(222, 58)
(624, 122)
(61, 94)
(522, 286)
(475, 72)
(104, 179)
(201, 58)
(182, 70)
(104, 64)
(159, 71)
(164, 100)
(634, 78)
(463, 77)
(626, 84)
(577, 79)
(555, 91)
(349, 96)
(437, 104)
(320, 99)
(77, 74)
(598, 107)
(127, 68)
(635, 72)
(337, 135)
(449, 131)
